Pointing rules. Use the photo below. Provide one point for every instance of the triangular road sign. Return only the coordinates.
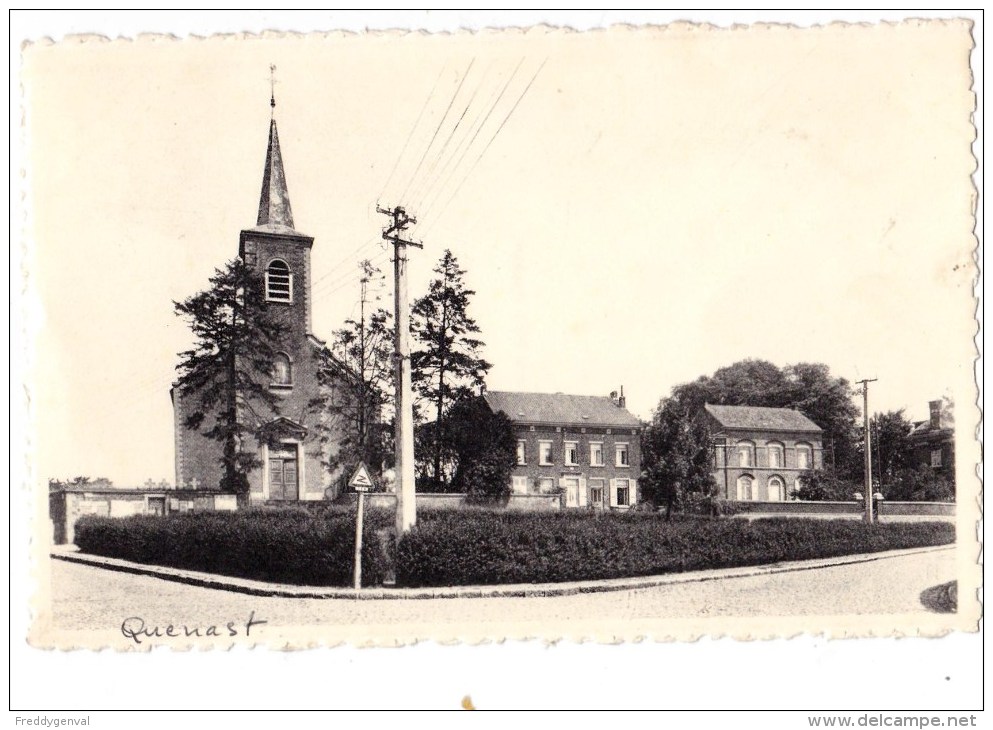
(361, 481)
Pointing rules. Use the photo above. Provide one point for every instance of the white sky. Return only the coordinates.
(658, 205)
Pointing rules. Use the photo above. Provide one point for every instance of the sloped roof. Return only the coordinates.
(274, 204)
(560, 408)
(761, 419)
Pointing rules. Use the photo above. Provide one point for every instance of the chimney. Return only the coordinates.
(621, 400)
(935, 407)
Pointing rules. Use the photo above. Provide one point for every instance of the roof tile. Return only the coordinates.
(761, 419)
(560, 408)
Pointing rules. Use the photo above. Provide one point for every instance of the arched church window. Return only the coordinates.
(282, 370)
(278, 282)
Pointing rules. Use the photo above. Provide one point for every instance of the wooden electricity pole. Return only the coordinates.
(404, 435)
(867, 447)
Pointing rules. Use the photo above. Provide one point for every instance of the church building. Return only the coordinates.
(292, 451)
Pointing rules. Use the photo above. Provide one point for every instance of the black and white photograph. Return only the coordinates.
(499, 332)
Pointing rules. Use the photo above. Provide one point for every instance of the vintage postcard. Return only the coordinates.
(647, 333)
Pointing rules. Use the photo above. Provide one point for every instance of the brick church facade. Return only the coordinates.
(293, 453)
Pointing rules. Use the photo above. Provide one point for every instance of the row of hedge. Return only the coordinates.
(479, 547)
(279, 546)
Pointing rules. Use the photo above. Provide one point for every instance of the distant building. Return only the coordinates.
(585, 447)
(760, 454)
(932, 442)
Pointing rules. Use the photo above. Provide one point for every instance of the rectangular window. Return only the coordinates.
(596, 492)
(596, 453)
(546, 485)
(522, 452)
(545, 453)
(935, 458)
(775, 457)
(802, 458)
(520, 485)
(623, 492)
(572, 453)
(621, 454)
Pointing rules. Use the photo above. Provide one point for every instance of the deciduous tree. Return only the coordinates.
(484, 448)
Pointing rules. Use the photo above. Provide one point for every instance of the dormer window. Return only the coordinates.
(278, 282)
(282, 370)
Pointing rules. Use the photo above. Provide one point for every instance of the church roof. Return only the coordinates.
(761, 419)
(275, 214)
(560, 409)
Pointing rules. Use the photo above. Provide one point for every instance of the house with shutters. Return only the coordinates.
(294, 443)
(586, 448)
(760, 454)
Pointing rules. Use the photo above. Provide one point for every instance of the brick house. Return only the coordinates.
(760, 454)
(585, 447)
(293, 455)
(932, 442)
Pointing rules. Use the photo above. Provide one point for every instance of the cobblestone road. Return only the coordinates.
(92, 599)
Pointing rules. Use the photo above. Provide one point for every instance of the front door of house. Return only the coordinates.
(571, 485)
(283, 472)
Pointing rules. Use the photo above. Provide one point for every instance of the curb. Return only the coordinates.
(520, 590)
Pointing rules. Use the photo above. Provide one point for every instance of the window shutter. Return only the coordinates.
(613, 492)
(582, 491)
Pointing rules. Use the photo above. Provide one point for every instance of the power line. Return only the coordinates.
(438, 128)
(478, 129)
(437, 158)
(513, 108)
(412, 130)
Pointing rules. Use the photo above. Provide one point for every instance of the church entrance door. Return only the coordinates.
(283, 472)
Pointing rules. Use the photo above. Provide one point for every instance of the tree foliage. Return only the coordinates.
(484, 448)
(891, 449)
(677, 452)
(446, 364)
(224, 377)
(822, 485)
(919, 484)
(56, 485)
(676, 456)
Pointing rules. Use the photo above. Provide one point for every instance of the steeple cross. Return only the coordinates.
(272, 86)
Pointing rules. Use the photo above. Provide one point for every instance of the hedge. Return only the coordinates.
(293, 546)
(479, 546)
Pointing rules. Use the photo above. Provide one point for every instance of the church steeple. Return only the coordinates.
(274, 203)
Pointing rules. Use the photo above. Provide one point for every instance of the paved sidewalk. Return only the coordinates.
(71, 554)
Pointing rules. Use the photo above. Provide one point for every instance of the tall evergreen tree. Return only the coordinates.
(446, 364)
(225, 376)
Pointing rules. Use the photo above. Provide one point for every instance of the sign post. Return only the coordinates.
(361, 483)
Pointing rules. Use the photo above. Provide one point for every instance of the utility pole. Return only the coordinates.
(362, 358)
(404, 437)
(867, 447)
